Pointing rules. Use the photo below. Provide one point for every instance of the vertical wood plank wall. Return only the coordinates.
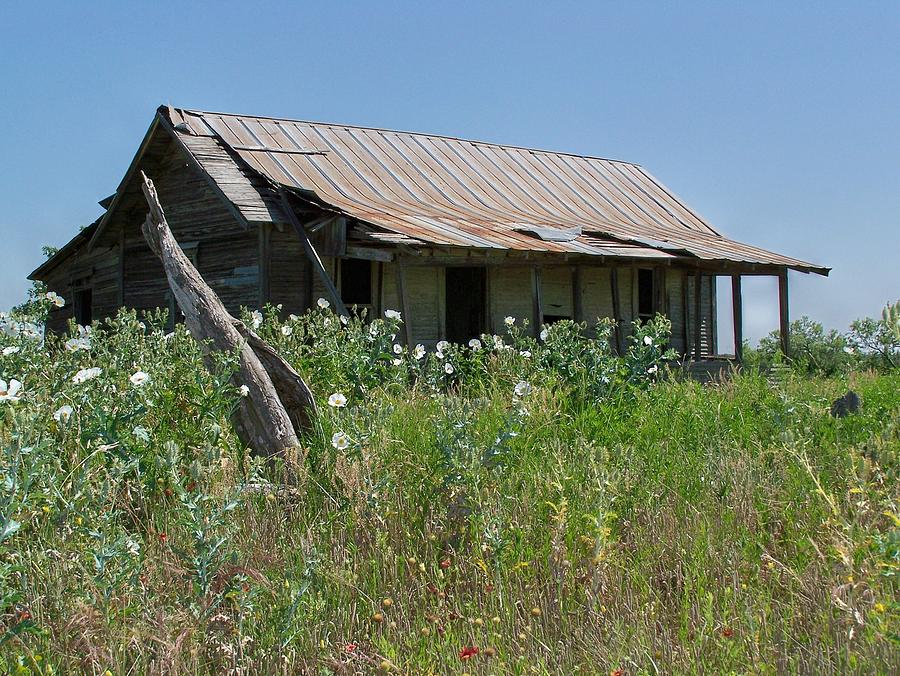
(509, 291)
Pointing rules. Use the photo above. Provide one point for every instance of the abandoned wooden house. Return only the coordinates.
(455, 234)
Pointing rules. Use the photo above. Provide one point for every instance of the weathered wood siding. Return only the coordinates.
(596, 293)
(97, 270)
(290, 279)
(224, 252)
(509, 295)
(425, 290)
(557, 292)
(675, 307)
(707, 315)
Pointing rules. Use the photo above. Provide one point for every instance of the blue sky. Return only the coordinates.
(778, 122)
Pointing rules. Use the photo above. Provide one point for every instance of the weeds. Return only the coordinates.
(540, 506)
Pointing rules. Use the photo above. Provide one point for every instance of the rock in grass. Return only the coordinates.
(844, 406)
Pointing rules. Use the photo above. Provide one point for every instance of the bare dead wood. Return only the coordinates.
(279, 403)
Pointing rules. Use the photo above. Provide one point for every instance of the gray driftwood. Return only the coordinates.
(279, 403)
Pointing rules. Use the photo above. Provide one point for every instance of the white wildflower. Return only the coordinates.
(544, 334)
(396, 362)
(498, 343)
(849, 349)
(132, 547)
(525, 353)
(373, 329)
(442, 345)
(12, 349)
(337, 400)
(169, 336)
(419, 351)
(244, 390)
(326, 321)
(63, 413)
(448, 368)
(286, 330)
(648, 340)
(293, 318)
(398, 348)
(139, 378)
(86, 374)
(323, 303)
(522, 389)
(653, 369)
(256, 317)
(475, 344)
(75, 344)
(10, 392)
(340, 440)
(30, 330)
(55, 299)
(509, 320)
(9, 328)
(345, 320)
(392, 314)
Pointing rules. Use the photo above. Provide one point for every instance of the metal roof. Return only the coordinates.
(439, 190)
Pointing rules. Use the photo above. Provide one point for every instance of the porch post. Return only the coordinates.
(783, 314)
(698, 314)
(738, 315)
(537, 301)
(617, 312)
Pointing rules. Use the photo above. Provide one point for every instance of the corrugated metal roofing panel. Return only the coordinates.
(452, 192)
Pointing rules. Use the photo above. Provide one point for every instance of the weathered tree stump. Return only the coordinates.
(279, 403)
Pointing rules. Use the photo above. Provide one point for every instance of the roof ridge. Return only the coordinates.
(412, 133)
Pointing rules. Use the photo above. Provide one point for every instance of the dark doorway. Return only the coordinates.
(84, 312)
(356, 282)
(465, 293)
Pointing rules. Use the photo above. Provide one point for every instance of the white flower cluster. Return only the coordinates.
(86, 374)
(139, 378)
(55, 299)
(13, 329)
(10, 391)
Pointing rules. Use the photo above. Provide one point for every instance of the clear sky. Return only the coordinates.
(778, 122)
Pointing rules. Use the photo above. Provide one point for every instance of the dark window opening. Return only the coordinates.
(83, 310)
(356, 281)
(646, 306)
(552, 319)
(465, 303)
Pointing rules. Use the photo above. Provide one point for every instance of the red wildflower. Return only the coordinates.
(488, 588)
(468, 652)
(431, 588)
(350, 647)
(163, 537)
(445, 564)
(191, 486)
(168, 492)
(728, 632)
(617, 672)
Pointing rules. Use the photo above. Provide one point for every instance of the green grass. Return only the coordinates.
(674, 528)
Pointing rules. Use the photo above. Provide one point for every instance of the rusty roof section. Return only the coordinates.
(438, 190)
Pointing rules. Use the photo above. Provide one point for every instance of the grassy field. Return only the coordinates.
(540, 507)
